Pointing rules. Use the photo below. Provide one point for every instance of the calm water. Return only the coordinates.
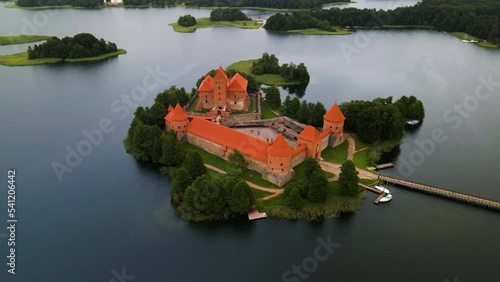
(111, 213)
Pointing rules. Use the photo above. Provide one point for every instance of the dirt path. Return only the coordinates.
(352, 147)
(274, 192)
(335, 169)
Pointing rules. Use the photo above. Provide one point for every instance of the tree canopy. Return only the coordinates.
(186, 20)
(81, 45)
(477, 18)
(349, 179)
(269, 64)
(228, 14)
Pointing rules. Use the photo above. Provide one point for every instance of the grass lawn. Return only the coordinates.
(362, 159)
(21, 59)
(336, 155)
(266, 112)
(19, 39)
(358, 143)
(245, 66)
(465, 36)
(317, 31)
(206, 22)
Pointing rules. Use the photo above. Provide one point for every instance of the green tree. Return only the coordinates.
(294, 200)
(349, 179)
(273, 96)
(416, 111)
(168, 149)
(204, 197)
(181, 180)
(239, 201)
(194, 164)
(186, 20)
(317, 187)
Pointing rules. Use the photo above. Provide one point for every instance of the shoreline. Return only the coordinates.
(21, 59)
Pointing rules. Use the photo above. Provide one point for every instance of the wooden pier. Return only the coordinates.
(380, 196)
(381, 166)
(442, 192)
(254, 214)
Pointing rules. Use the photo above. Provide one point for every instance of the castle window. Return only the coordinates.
(219, 87)
(281, 164)
(179, 127)
(282, 170)
(206, 101)
(219, 98)
(235, 102)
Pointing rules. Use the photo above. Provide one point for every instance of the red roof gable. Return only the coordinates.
(334, 114)
(279, 148)
(170, 108)
(237, 83)
(207, 84)
(177, 114)
(310, 134)
(221, 72)
(225, 136)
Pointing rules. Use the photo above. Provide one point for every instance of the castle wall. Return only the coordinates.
(299, 158)
(280, 179)
(325, 141)
(222, 151)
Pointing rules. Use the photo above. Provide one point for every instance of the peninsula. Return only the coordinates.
(23, 38)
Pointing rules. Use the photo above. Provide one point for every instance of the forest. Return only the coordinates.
(76, 3)
(478, 18)
(82, 45)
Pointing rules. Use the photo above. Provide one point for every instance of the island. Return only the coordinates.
(267, 70)
(474, 22)
(218, 17)
(83, 47)
(23, 38)
(230, 154)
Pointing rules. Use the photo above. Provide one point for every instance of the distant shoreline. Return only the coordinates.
(21, 59)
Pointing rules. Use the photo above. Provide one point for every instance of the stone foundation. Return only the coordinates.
(278, 179)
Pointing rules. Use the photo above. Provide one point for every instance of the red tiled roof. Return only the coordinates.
(279, 148)
(177, 114)
(309, 133)
(237, 83)
(225, 136)
(221, 71)
(334, 114)
(207, 84)
(170, 108)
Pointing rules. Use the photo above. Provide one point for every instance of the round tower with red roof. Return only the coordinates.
(177, 119)
(279, 156)
(333, 121)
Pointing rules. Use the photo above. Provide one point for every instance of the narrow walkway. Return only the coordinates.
(335, 169)
(352, 147)
(274, 192)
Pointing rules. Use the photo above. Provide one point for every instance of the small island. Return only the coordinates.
(83, 47)
(267, 70)
(289, 159)
(218, 17)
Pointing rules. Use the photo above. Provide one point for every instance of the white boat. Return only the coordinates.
(382, 189)
(469, 41)
(385, 198)
(412, 122)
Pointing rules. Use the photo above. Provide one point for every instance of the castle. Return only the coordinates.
(272, 147)
(222, 94)
(273, 157)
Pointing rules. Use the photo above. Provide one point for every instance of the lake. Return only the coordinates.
(111, 216)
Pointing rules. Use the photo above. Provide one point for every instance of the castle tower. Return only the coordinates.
(333, 121)
(279, 156)
(177, 119)
(220, 88)
(312, 139)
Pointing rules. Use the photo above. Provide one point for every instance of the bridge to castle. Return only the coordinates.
(442, 192)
